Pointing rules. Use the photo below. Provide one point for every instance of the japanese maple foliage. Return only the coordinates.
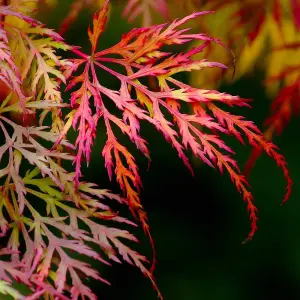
(42, 238)
(268, 39)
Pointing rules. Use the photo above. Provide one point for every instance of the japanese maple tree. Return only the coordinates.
(40, 240)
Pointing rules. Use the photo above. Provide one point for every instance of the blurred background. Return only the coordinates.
(198, 223)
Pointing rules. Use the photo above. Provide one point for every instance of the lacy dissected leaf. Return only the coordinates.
(9, 71)
(47, 266)
(140, 54)
(32, 50)
(37, 80)
(51, 241)
(38, 59)
(47, 237)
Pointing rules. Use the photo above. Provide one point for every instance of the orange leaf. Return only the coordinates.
(99, 22)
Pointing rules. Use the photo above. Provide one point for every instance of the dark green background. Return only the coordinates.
(198, 224)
